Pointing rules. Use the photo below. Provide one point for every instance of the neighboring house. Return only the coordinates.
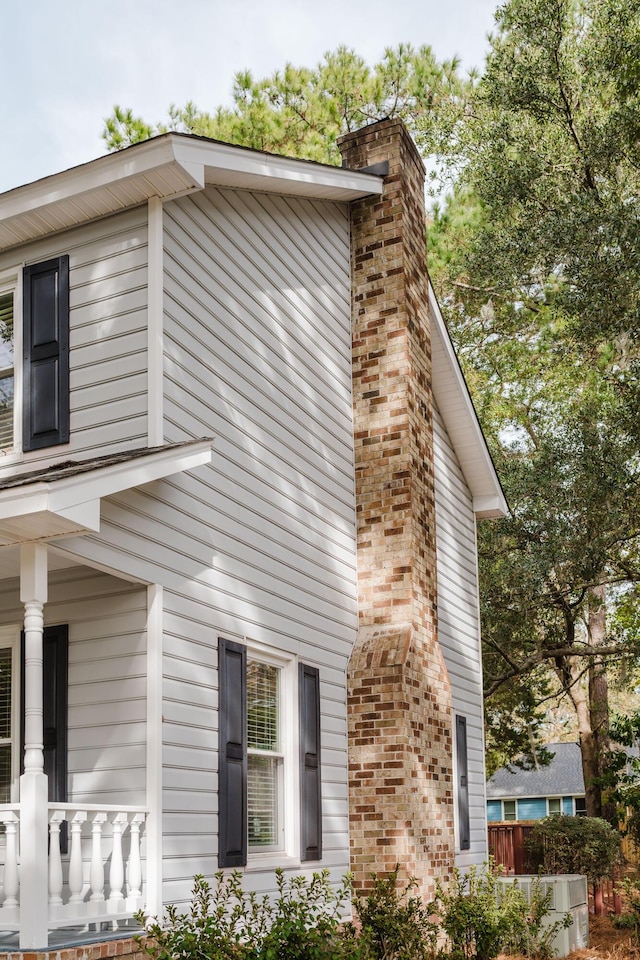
(514, 794)
(236, 445)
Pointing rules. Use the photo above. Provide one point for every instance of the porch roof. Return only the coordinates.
(65, 498)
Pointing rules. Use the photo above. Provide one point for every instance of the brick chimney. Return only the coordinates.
(400, 737)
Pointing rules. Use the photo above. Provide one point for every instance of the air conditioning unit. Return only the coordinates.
(568, 895)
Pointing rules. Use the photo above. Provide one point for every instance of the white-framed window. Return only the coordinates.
(10, 371)
(554, 805)
(269, 773)
(9, 713)
(509, 810)
(271, 753)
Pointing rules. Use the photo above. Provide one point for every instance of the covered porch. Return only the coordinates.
(80, 847)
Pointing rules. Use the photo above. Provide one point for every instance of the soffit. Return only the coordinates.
(65, 499)
(168, 166)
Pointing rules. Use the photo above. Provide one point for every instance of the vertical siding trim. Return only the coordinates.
(153, 827)
(155, 332)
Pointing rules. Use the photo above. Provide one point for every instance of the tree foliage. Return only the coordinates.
(301, 112)
(535, 257)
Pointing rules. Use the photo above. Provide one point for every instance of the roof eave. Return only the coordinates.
(167, 167)
(71, 505)
(456, 407)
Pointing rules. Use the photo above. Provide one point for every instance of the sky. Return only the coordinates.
(65, 64)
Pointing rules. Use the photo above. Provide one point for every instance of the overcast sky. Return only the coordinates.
(65, 64)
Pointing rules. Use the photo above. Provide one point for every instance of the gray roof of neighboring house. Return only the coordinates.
(561, 778)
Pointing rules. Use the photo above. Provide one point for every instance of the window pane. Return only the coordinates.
(263, 801)
(6, 370)
(554, 805)
(509, 809)
(5, 773)
(5, 694)
(262, 706)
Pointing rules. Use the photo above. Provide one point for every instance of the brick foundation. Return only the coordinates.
(124, 949)
(400, 746)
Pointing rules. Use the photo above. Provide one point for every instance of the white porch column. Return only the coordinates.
(153, 826)
(33, 782)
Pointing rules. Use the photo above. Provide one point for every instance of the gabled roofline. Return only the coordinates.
(461, 420)
(168, 166)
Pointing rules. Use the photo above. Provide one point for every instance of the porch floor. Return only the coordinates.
(70, 937)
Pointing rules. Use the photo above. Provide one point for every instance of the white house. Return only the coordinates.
(178, 531)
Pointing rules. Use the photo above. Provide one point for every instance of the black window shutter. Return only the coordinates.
(232, 773)
(310, 779)
(463, 783)
(46, 354)
(55, 658)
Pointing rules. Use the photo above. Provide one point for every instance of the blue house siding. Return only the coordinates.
(567, 806)
(494, 810)
(533, 808)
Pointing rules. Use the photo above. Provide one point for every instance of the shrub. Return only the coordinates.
(226, 923)
(585, 845)
(630, 920)
(304, 921)
(476, 916)
(395, 925)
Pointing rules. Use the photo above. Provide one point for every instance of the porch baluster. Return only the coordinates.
(116, 874)
(55, 863)
(11, 882)
(134, 866)
(96, 874)
(75, 860)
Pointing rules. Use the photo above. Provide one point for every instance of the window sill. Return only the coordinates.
(270, 861)
(10, 457)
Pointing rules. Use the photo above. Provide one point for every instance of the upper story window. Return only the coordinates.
(7, 379)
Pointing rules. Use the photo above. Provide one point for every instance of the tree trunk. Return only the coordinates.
(599, 698)
(591, 703)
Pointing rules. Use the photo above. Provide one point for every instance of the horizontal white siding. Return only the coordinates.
(261, 544)
(459, 625)
(107, 680)
(107, 337)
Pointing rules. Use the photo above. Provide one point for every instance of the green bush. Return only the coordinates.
(630, 920)
(477, 916)
(304, 921)
(226, 923)
(394, 925)
(585, 845)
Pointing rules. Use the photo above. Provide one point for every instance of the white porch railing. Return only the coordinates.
(100, 877)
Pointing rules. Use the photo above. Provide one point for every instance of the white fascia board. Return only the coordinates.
(63, 497)
(106, 171)
(454, 402)
(178, 164)
(250, 169)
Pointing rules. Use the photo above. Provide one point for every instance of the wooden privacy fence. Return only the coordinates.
(507, 848)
